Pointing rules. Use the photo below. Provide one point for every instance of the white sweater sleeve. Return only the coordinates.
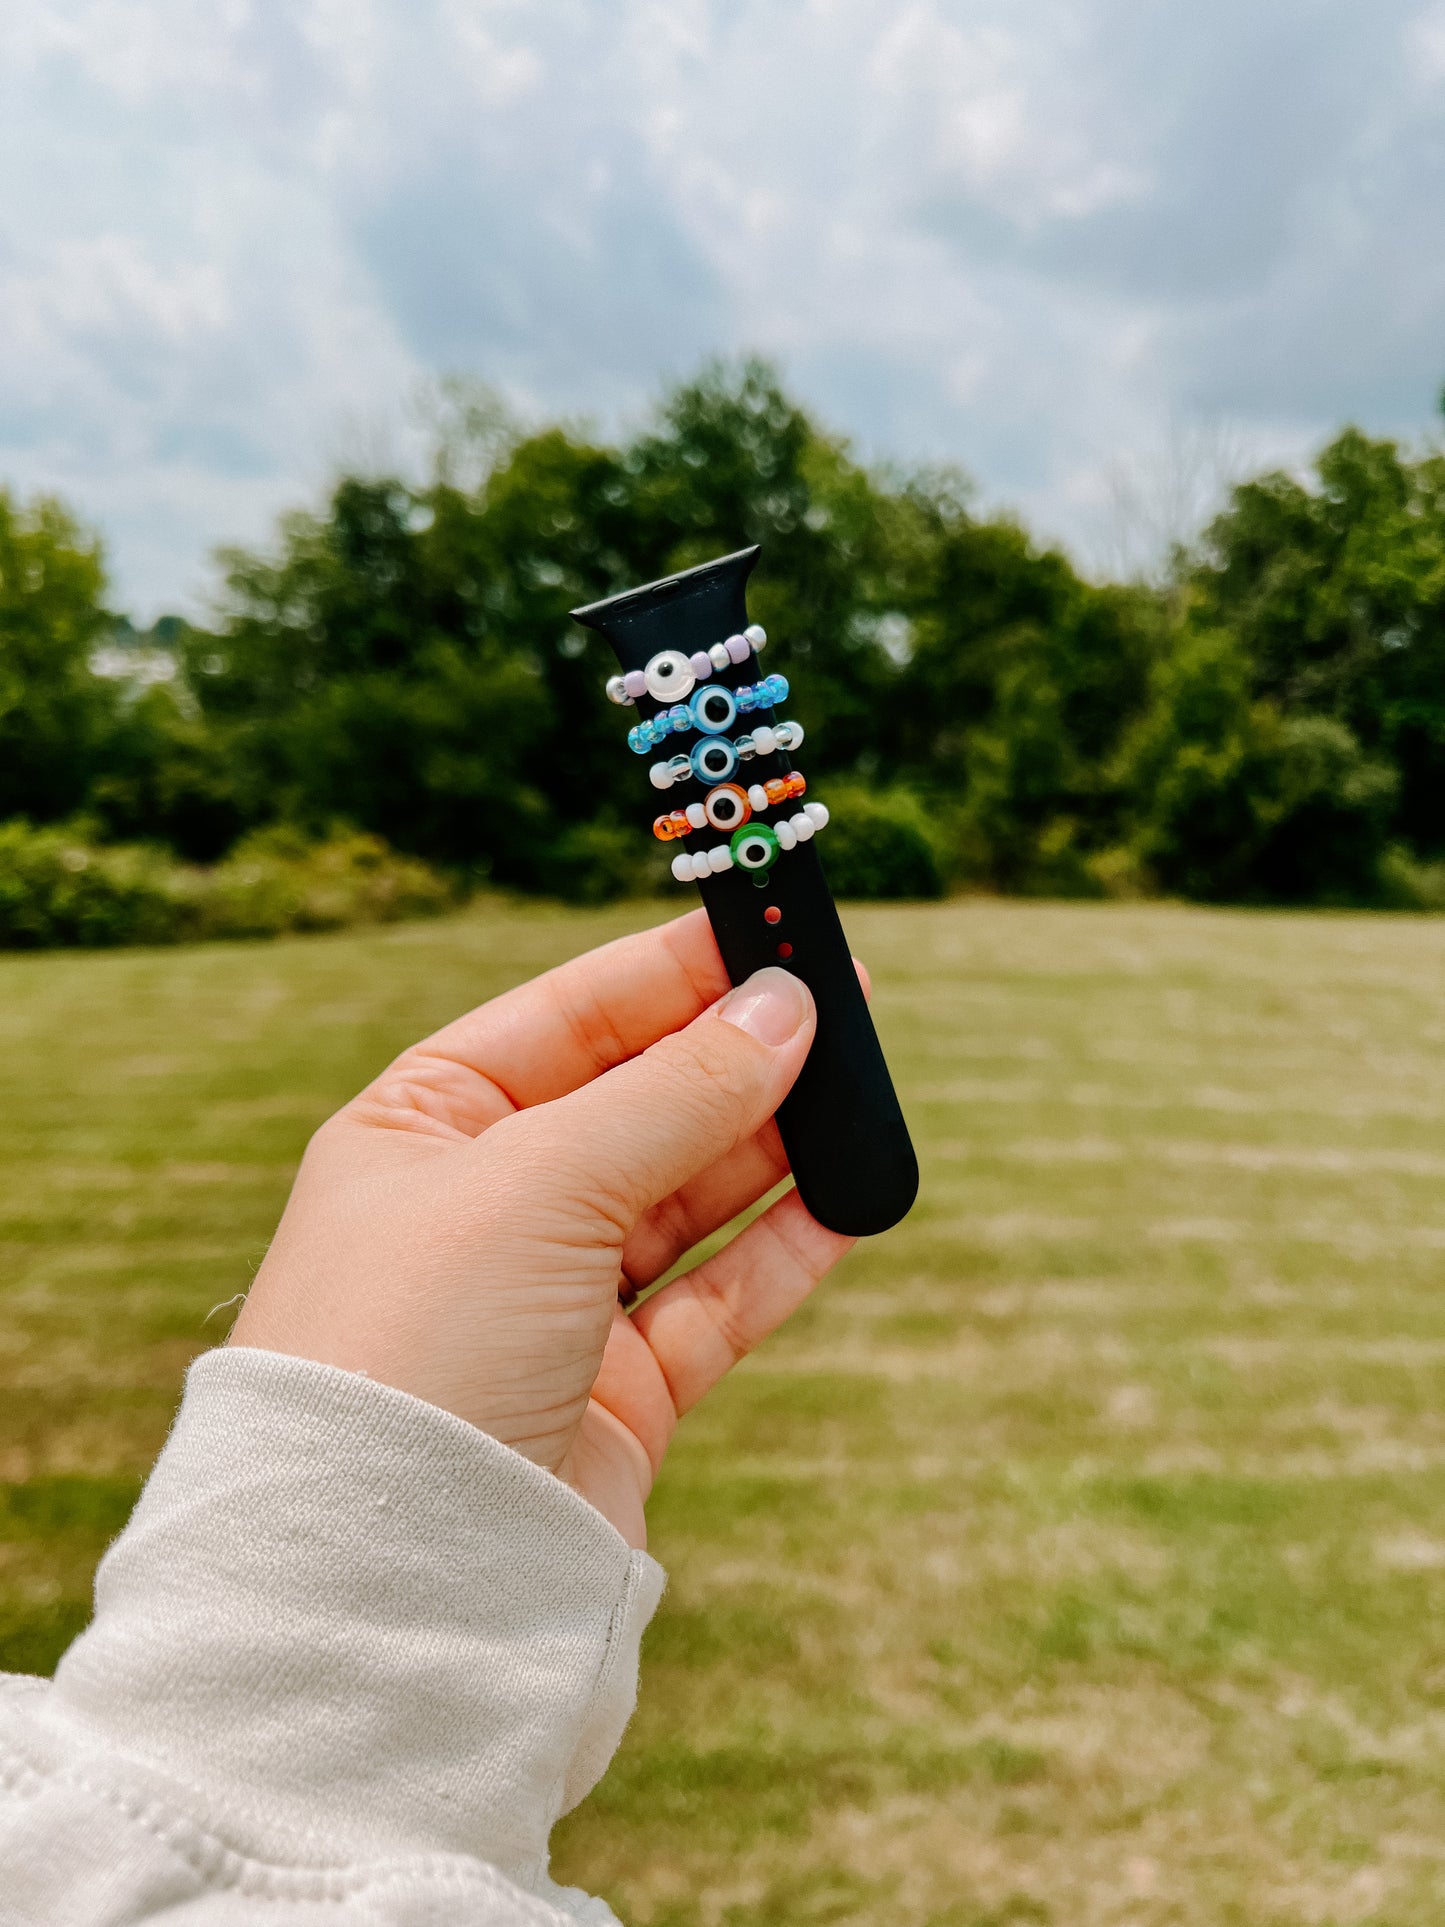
(350, 1660)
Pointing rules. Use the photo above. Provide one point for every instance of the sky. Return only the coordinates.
(1105, 254)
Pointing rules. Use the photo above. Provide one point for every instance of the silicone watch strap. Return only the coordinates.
(841, 1123)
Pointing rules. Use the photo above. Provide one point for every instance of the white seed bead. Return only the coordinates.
(719, 857)
(785, 833)
(617, 691)
(757, 635)
(757, 796)
(765, 740)
(802, 826)
(660, 776)
(819, 814)
(682, 867)
(718, 655)
(696, 815)
(700, 866)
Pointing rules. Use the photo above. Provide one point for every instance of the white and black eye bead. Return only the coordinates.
(727, 807)
(713, 760)
(669, 677)
(755, 848)
(714, 709)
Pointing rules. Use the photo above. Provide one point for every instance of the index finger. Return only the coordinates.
(556, 1033)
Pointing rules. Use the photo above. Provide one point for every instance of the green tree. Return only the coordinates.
(54, 710)
(1335, 589)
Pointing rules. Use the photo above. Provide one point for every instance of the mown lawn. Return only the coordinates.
(1077, 1557)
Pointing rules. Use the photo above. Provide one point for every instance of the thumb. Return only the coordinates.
(633, 1135)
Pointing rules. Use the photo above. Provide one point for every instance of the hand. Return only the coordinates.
(471, 1226)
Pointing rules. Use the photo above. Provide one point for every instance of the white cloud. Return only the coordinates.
(1036, 236)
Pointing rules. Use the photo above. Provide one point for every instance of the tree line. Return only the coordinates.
(1265, 726)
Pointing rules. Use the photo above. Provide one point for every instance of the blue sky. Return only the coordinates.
(1100, 252)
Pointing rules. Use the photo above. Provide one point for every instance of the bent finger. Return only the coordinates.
(700, 1325)
(703, 1205)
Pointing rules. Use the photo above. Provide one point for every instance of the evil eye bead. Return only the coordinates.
(789, 735)
(718, 656)
(669, 677)
(714, 710)
(617, 691)
(727, 807)
(738, 648)
(756, 636)
(755, 848)
(713, 760)
(700, 663)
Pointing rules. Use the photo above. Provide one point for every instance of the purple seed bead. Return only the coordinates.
(738, 648)
(700, 666)
(635, 683)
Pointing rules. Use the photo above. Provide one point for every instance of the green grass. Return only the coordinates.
(1078, 1556)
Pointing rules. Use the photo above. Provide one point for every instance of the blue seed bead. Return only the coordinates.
(637, 739)
(679, 718)
(777, 688)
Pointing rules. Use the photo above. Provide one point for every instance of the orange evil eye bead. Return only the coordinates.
(674, 824)
(727, 807)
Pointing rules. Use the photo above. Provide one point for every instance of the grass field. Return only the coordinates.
(1077, 1557)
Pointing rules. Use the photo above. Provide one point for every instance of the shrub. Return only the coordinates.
(877, 844)
(59, 889)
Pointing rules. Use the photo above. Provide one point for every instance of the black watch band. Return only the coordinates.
(735, 819)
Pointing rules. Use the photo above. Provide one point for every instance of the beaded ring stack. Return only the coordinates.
(690, 700)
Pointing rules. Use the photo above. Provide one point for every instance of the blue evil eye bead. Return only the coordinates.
(617, 691)
(713, 760)
(727, 807)
(756, 636)
(738, 648)
(755, 847)
(669, 677)
(714, 710)
(718, 656)
(789, 735)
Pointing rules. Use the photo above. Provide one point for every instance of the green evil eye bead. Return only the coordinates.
(713, 760)
(754, 847)
(713, 709)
